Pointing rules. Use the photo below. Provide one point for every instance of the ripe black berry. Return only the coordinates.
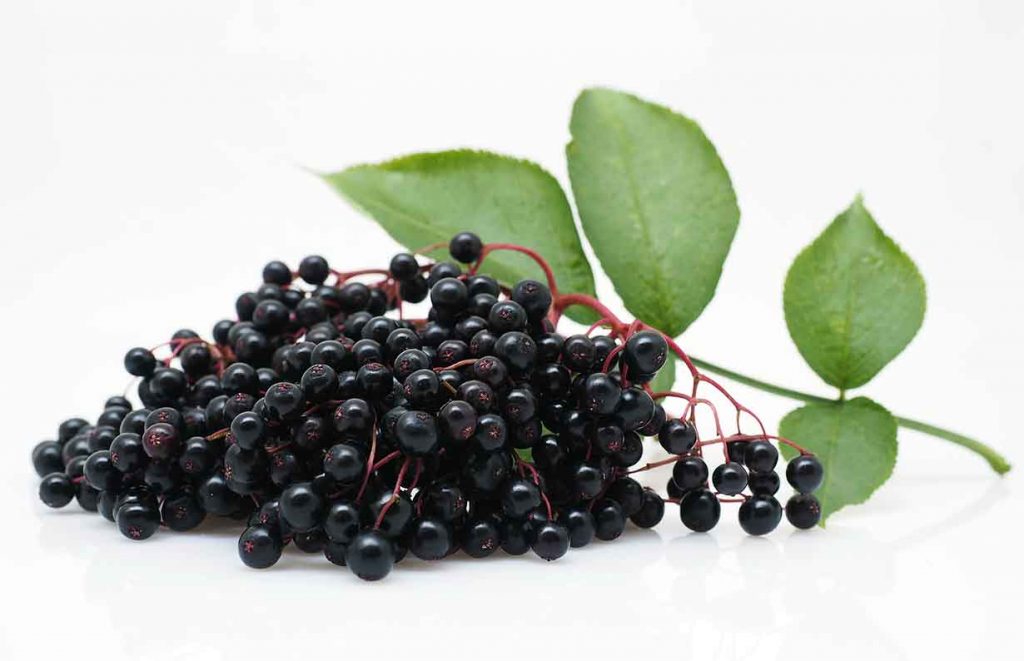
(534, 297)
(551, 541)
(578, 353)
(761, 457)
(804, 473)
(581, 525)
(416, 433)
(609, 520)
(46, 458)
(729, 478)
(404, 266)
(137, 521)
(760, 515)
(690, 473)
(259, 547)
(431, 539)
(645, 352)
(465, 247)
(699, 510)
(56, 490)
(803, 511)
(480, 538)
(652, 509)
(677, 436)
(314, 269)
(139, 362)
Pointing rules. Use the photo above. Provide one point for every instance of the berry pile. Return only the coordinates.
(325, 423)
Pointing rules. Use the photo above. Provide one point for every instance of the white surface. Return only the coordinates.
(151, 160)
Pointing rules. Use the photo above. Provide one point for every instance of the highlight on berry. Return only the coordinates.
(323, 417)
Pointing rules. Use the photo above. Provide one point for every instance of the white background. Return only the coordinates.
(152, 158)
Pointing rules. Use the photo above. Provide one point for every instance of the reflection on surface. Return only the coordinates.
(722, 595)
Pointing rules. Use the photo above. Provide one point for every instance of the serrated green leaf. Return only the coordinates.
(666, 376)
(855, 442)
(655, 202)
(853, 300)
(427, 198)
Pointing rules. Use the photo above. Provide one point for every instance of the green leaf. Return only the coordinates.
(655, 202)
(855, 442)
(853, 300)
(427, 198)
(666, 376)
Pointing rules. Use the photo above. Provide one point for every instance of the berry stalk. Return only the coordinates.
(997, 462)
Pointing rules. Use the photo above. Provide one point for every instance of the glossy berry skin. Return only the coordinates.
(457, 420)
(56, 490)
(127, 453)
(761, 457)
(319, 383)
(690, 473)
(344, 462)
(803, 511)
(805, 473)
(449, 295)
(398, 516)
(100, 472)
(430, 539)
(314, 269)
(161, 441)
(370, 556)
(588, 481)
(465, 247)
(609, 520)
(446, 502)
(550, 541)
(760, 515)
(579, 353)
(517, 350)
(628, 493)
(652, 510)
(341, 524)
(374, 379)
(506, 316)
(519, 498)
(140, 362)
(277, 273)
(414, 290)
(46, 458)
(216, 496)
(534, 297)
(729, 478)
(354, 416)
(137, 521)
(181, 512)
(416, 433)
(515, 536)
(301, 507)
(763, 484)
(677, 436)
(404, 266)
(285, 400)
(581, 526)
(699, 510)
(634, 410)
(491, 433)
(600, 394)
(645, 352)
(259, 547)
(480, 538)
(248, 429)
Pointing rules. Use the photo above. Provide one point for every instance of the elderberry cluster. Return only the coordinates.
(325, 423)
